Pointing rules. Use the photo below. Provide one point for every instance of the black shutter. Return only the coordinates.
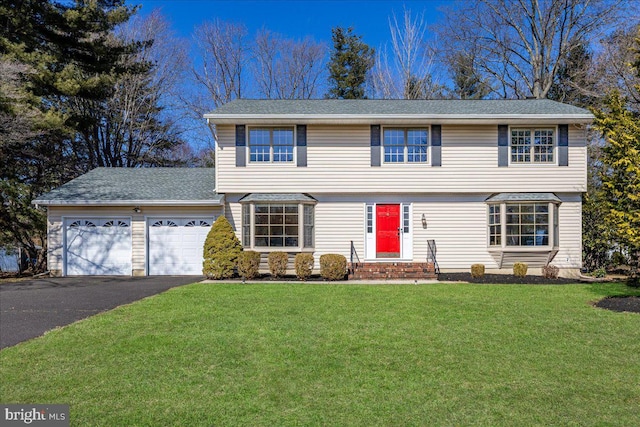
(301, 145)
(436, 145)
(241, 146)
(503, 145)
(375, 145)
(563, 145)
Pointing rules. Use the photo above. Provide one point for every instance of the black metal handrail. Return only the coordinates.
(355, 259)
(431, 255)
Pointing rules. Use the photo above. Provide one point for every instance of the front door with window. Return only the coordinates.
(388, 231)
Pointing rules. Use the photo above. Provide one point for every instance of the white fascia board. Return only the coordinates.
(226, 119)
(129, 202)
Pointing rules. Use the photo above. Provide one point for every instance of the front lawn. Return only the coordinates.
(285, 354)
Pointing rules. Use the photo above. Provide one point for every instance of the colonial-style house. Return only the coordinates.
(400, 188)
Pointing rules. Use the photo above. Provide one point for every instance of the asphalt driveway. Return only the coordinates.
(30, 308)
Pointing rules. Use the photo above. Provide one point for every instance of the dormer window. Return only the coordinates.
(271, 145)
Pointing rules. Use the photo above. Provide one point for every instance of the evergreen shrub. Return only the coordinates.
(221, 250)
(477, 270)
(520, 269)
(249, 264)
(304, 265)
(333, 266)
(278, 263)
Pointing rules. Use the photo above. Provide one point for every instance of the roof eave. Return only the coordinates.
(212, 202)
(227, 119)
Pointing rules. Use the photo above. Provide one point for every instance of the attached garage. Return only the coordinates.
(175, 245)
(131, 221)
(98, 246)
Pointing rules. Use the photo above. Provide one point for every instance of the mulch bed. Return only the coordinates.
(503, 279)
(628, 304)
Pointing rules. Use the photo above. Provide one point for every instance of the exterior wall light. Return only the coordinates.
(424, 221)
(136, 209)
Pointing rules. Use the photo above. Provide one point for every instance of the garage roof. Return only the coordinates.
(137, 186)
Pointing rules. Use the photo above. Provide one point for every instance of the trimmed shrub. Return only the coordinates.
(550, 272)
(477, 270)
(249, 264)
(520, 269)
(333, 266)
(221, 250)
(278, 263)
(304, 265)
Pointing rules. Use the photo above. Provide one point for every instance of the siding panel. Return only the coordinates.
(339, 159)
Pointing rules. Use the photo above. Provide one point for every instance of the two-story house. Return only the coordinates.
(387, 183)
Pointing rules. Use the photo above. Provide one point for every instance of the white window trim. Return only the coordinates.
(503, 229)
(532, 129)
(294, 160)
(405, 162)
(266, 249)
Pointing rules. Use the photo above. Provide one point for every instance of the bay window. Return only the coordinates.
(282, 225)
(522, 224)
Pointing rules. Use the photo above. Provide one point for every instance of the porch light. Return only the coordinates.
(136, 209)
(424, 221)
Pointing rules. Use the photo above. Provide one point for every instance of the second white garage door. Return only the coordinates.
(175, 245)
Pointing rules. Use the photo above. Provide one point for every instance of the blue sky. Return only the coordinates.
(294, 18)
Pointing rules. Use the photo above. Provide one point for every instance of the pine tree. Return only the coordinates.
(620, 174)
(351, 60)
(51, 53)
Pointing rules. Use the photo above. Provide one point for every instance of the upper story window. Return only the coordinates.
(405, 145)
(532, 145)
(271, 145)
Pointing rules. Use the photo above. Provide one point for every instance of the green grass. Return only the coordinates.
(278, 354)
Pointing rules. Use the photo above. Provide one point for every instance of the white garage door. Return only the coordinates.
(176, 244)
(98, 246)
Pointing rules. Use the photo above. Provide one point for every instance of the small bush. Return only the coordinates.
(249, 264)
(550, 272)
(304, 265)
(520, 269)
(333, 266)
(599, 273)
(278, 263)
(477, 270)
(221, 250)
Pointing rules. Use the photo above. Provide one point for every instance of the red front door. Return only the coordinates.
(388, 231)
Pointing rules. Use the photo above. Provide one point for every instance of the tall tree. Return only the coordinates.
(411, 77)
(522, 44)
(130, 127)
(468, 83)
(621, 174)
(350, 62)
(225, 52)
(286, 68)
(58, 51)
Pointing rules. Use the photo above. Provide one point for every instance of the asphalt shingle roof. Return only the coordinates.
(524, 197)
(396, 107)
(113, 185)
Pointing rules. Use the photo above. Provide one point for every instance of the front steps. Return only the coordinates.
(392, 271)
